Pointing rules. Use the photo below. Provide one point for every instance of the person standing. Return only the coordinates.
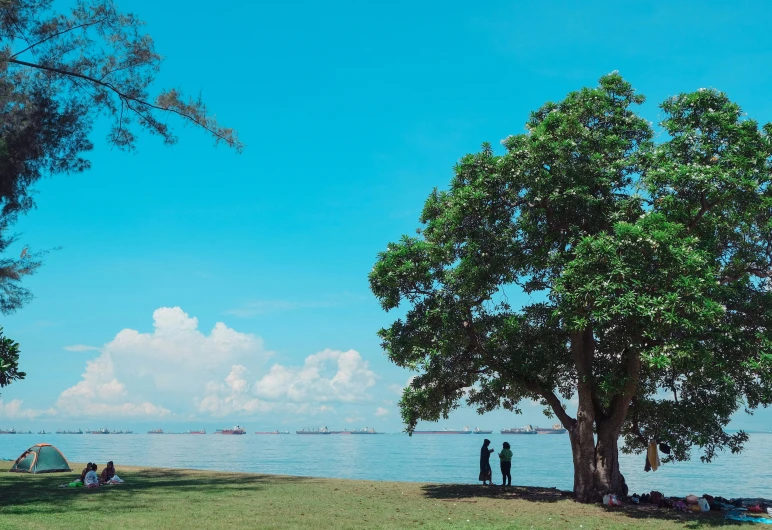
(505, 459)
(486, 473)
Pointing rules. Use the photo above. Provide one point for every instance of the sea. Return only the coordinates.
(540, 460)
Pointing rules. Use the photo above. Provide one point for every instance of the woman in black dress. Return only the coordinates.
(486, 473)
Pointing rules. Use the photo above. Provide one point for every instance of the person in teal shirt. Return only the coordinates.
(505, 458)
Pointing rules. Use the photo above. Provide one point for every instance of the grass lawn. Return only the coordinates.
(174, 498)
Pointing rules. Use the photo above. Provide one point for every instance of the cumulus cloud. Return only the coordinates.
(173, 363)
(178, 369)
(99, 393)
(14, 410)
(230, 396)
(330, 375)
(380, 412)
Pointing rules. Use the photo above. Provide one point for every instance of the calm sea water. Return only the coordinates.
(541, 460)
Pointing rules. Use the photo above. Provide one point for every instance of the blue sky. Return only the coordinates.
(352, 112)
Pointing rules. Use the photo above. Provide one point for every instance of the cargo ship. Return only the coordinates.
(477, 430)
(322, 430)
(156, 431)
(516, 430)
(556, 429)
(234, 430)
(59, 431)
(465, 430)
(202, 431)
(366, 430)
(272, 432)
(12, 430)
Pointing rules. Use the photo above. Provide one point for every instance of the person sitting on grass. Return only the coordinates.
(107, 473)
(92, 479)
(85, 470)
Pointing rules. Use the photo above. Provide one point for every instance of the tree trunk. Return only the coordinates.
(596, 464)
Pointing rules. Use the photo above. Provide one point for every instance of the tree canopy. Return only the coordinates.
(647, 264)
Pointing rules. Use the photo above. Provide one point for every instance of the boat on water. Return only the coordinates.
(99, 431)
(272, 432)
(321, 430)
(234, 430)
(12, 430)
(366, 430)
(477, 430)
(43, 432)
(156, 431)
(556, 429)
(465, 430)
(59, 431)
(202, 431)
(517, 430)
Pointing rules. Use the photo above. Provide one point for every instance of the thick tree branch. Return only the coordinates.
(705, 207)
(620, 403)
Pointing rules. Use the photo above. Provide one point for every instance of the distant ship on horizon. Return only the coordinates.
(202, 431)
(465, 430)
(366, 430)
(235, 430)
(516, 430)
(477, 430)
(12, 430)
(155, 431)
(322, 430)
(556, 429)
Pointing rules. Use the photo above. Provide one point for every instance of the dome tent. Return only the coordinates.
(41, 458)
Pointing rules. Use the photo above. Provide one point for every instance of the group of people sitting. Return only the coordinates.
(89, 476)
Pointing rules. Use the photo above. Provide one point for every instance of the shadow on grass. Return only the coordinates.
(471, 492)
(28, 494)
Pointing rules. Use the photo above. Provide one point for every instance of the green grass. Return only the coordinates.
(174, 498)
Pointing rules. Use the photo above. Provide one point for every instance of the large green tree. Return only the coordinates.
(59, 72)
(647, 266)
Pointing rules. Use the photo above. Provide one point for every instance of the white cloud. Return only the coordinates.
(14, 410)
(314, 381)
(230, 397)
(380, 411)
(178, 368)
(81, 347)
(173, 363)
(100, 393)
